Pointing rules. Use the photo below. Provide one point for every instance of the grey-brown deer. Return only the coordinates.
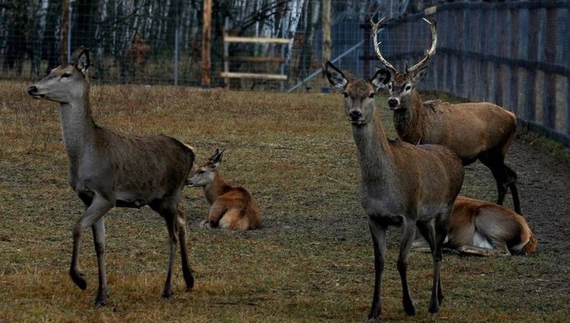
(486, 229)
(108, 169)
(481, 130)
(231, 207)
(401, 185)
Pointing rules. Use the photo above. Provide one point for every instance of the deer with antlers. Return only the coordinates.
(232, 208)
(108, 169)
(401, 185)
(486, 229)
(481, 130)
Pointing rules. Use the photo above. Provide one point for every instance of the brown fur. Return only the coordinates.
(506, 231)
(402, 185)
(108, 169)
(232, 208)
(473, 131)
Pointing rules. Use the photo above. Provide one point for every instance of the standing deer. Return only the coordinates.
(486, 229)
(474, 131)
(108, 169)
(402, 185)
(231, 208)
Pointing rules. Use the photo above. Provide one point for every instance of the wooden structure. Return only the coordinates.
(227, 74)
(206, 43)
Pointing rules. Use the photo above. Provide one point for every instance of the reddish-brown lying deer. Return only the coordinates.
(231, 208)
(108, 169)
(402, 184)
(487, 229)
(474, 131)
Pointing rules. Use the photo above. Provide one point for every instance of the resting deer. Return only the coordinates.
(487, 229)
(402, 185)
(474, 131)
(108, 169)
(231, 208)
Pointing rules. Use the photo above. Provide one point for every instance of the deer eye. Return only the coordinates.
(345, 94)
(65, 75)
(372, 95)
(390, 86)
(407, 88)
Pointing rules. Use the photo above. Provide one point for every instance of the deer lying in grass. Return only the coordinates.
(108, 169)
(487, 229)
(231, 208)
(474, 131)
(402, 185)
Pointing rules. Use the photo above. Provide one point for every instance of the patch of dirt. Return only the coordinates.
(544, 190)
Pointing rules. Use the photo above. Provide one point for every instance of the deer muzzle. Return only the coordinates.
(34, 92)
(393, 103)
(355, 116)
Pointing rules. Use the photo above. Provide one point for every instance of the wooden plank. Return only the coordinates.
(233, 39)
(252, 59)
(206, 43)
(254, 76)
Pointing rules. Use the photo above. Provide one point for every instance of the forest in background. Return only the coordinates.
(134, 41)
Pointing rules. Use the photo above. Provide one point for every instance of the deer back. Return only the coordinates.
(468, 129)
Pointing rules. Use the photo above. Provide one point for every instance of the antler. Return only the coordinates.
(431, 51)
(375, 27)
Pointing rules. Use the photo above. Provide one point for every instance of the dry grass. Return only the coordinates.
(312, 262)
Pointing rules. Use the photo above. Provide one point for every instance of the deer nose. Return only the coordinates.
(355, 115)
(32, 90)
(393, 103)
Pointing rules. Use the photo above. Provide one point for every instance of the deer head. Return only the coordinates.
(206, 173)
(401, 85)
(66, 82)
(358, 93)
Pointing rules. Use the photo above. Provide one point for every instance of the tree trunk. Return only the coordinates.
(307, 52)
(39, 30)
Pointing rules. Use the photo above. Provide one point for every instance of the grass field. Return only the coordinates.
(312, 261)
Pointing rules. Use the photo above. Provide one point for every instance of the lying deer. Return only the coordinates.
(402, 185)
(231, 208)
(487, 229)
(474, 131)
(108, 169)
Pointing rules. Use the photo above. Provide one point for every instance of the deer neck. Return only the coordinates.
(215, 189)
(78, 126)
(409, 119)
(374, 152)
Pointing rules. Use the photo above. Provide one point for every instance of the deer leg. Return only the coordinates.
(379, 240)
(504, 176)
(217, 212)
(98, 229)
(512, 184)
(172, 226)
(98, 207)
(441, 228)
(169, 211)
(186, 269)
(407, 237)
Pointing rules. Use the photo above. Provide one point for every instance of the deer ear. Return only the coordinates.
(80, 58)
(381, 78)
(335, 76)
(216, 158)
(420, 74)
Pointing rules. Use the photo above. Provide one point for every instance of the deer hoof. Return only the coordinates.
(77, 277)
(167, 294)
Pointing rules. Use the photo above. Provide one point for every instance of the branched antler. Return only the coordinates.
(431, 51)
(375, 27)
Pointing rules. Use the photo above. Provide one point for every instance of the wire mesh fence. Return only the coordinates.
(513, 53)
